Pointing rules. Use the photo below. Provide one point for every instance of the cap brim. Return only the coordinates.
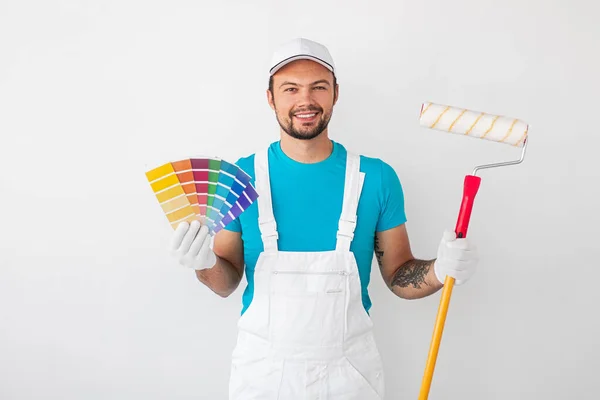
(283, 63)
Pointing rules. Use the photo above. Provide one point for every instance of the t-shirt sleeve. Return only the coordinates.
(234, 226)
(392, 212)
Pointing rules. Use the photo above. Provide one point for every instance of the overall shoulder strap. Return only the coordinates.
(352, 190)
(266, 218)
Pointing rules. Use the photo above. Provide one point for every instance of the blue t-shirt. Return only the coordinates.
(307, 202)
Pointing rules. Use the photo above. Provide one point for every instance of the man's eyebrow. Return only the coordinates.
(288, 83)
(320, 81)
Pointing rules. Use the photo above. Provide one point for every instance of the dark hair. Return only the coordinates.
(271, 83)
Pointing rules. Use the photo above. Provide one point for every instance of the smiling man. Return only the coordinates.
(306, 248)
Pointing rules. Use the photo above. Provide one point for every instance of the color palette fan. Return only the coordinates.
(210, 190)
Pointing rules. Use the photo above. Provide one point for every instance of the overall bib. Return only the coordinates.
(306, 334)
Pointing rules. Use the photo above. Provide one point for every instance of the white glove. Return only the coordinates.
(191, 246)
(457, 258)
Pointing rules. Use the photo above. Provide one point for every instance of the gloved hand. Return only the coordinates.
(191, 246)
(457, 258)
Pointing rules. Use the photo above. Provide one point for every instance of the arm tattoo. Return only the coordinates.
(378, 252)
(412, 273)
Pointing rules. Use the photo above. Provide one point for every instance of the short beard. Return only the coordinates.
(313, 133)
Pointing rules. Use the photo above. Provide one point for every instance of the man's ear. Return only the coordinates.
(270, 99)
(336, 93)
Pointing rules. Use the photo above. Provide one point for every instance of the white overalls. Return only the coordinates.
(306, 334)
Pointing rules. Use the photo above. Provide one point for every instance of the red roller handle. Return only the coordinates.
(471, 186)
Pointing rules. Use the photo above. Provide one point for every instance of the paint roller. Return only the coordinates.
(474, 124)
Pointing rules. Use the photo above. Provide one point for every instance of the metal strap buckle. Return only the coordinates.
(268, 229)
(346, 228)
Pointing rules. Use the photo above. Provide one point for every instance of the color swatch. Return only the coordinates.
(170, 194)
(183, 169)
(234, 194)
(210, 190)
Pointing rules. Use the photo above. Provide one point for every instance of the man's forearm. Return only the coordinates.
(223, 278)
(415, 279)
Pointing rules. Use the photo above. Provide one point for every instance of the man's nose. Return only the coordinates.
(305, 97)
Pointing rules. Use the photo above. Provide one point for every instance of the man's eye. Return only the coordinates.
(320, 87)
(289, 89)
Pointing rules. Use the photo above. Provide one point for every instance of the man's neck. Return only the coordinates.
(307, 151)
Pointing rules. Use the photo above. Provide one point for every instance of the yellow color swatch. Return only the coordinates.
(170, 195)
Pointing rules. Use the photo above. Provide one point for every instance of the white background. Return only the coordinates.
(92, 94)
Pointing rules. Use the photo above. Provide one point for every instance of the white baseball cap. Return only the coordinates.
(301, 49)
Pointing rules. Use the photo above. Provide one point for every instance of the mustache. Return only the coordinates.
(306, 109)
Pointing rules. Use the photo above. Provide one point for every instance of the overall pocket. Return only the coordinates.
(307, 308)
(254, 377)
(364, 380)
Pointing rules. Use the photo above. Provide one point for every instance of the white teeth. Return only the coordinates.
(305, 115)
